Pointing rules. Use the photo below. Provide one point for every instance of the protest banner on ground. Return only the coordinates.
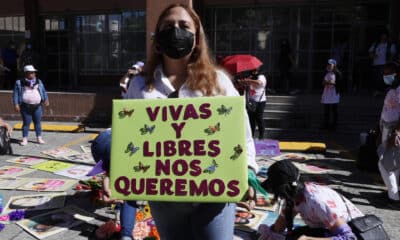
(27, 160)
(179, 149)
(50, 223)
(13, 171)
(46, 184)
(35, 202)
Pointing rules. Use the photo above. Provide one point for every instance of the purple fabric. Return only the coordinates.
(98, 168)
(267, 147)
(343, 232)
(31, 82)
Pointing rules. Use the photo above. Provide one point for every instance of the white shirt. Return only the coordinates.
(329, 95)
(257, 93)
(163, 87)
(380, 52)
(322, 206)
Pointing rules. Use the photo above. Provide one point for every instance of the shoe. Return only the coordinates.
(40, 140)
(24, 142)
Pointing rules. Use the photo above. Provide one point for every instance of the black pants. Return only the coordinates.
(377, 78)
(257, 118)
(328, 109)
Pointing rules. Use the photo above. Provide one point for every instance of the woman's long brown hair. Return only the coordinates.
(202, 75)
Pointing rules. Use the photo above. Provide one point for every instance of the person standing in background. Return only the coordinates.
(390, 131)
(124, 82)
(256, 85)
(331, 94)
(28, 96)
(380, 52)
(9, 58)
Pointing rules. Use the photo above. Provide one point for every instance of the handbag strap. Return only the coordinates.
(347, 207)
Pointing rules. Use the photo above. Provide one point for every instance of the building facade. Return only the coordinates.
(84, 45)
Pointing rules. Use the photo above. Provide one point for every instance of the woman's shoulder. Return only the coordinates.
(225, 82)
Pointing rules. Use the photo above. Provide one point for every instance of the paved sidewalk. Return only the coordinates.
(364, 189)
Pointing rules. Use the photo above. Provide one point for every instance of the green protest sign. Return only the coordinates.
(189, 149)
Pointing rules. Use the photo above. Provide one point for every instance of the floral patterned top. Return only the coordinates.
(321, 206)
(391, 106)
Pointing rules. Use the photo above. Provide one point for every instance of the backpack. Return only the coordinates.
(5, 144)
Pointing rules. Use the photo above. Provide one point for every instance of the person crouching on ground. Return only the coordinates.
(325, 212)
(28, 96)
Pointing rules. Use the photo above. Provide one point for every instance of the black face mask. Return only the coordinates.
(175, 42)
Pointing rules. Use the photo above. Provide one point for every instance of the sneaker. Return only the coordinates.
(24, 142)
(40, 140)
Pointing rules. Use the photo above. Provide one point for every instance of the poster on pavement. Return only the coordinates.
(45, 184)
(86, 148)
(27, 160)
(60, 152)
(13, 171)
(50, 223)
(52, 166)
(76, 172)
(81, 158)
(11, 183)
(35, 202)
(185, 150)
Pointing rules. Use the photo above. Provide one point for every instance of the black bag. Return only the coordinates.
(368, 227)
(251, 105)
(5, 145)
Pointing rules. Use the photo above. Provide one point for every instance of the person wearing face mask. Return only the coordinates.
(28, 96)
(331, 95)
(180, 66)
(390, 117)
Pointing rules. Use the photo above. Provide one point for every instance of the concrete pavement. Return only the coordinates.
(364, 189)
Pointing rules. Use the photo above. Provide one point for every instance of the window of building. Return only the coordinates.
(110, 43)
(12, 28)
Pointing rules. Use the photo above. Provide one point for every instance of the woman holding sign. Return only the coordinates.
(180, 65)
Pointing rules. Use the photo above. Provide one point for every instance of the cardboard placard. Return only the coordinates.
(184, 150)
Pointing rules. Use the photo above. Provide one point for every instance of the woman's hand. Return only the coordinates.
(17, 108)
(107, 191)
(249, 201)
(46, 103)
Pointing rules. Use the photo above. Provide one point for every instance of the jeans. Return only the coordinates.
(28, 114)
(128, 216)
(195, 221)
(257, 117)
